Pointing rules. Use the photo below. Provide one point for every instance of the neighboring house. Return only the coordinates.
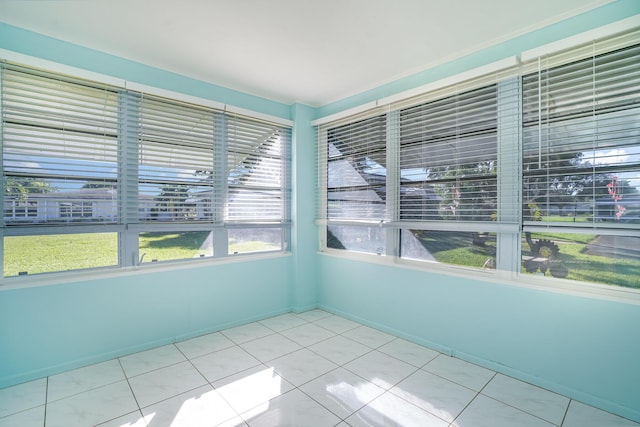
(101, 205)
(92, 204)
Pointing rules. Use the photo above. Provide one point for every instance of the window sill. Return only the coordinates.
(45, 279)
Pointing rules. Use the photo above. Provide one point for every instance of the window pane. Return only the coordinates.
(613, 260)
(581, 153)
(59, 252)
(247, 240)
(450, 247)
(448, 155)
(256, 170)
(176, 158)
(358, 239)
(166, 246)
(356, 170)
(59, 149)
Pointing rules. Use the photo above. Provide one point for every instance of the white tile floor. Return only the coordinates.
(308, 369)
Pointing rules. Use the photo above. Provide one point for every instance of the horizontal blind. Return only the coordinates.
(581, 143)
(356, 170)
(59, 149)
(176, 161)
(448, 158)
(257, 174)
(453, 133)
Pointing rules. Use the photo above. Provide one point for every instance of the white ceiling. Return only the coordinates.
(314, 52)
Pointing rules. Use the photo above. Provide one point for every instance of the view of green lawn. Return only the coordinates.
(92, 250)
(458, 249)
(161, 246)
(578, 253)
(59, 252)
(80, 251)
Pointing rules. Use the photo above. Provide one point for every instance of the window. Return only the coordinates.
(250, 240)
(76, 209)
(19, 209)
(532, 170)
(581, 168)
(59, 145)
(159, 179)
(256, 172)
(356, 184)
(397, 183)
(157, 246)
(580, 141)
(175, 161)
(448, 174)
(448, 158)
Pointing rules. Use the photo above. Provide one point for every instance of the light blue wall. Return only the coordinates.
(48, 329)
(304, 231)
(584, 348)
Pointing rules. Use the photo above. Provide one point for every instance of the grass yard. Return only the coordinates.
(50, 253)
(43, 254)
(244, 247)
(163, 246)
(66, 252)
(582, 266)
(456, 248)
(568, 218)
(598, 269)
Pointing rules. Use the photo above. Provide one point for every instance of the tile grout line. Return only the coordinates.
(210, 383)
(295, 387)
(371, 350)
(307, 347)
(239, 346)
(522, 410)
(126, 377)
(455, 382)
(478, 393)
(338, 366)
(238, 414)
(171, 397)
(93, 388)
(564, 417)
(46, 401)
